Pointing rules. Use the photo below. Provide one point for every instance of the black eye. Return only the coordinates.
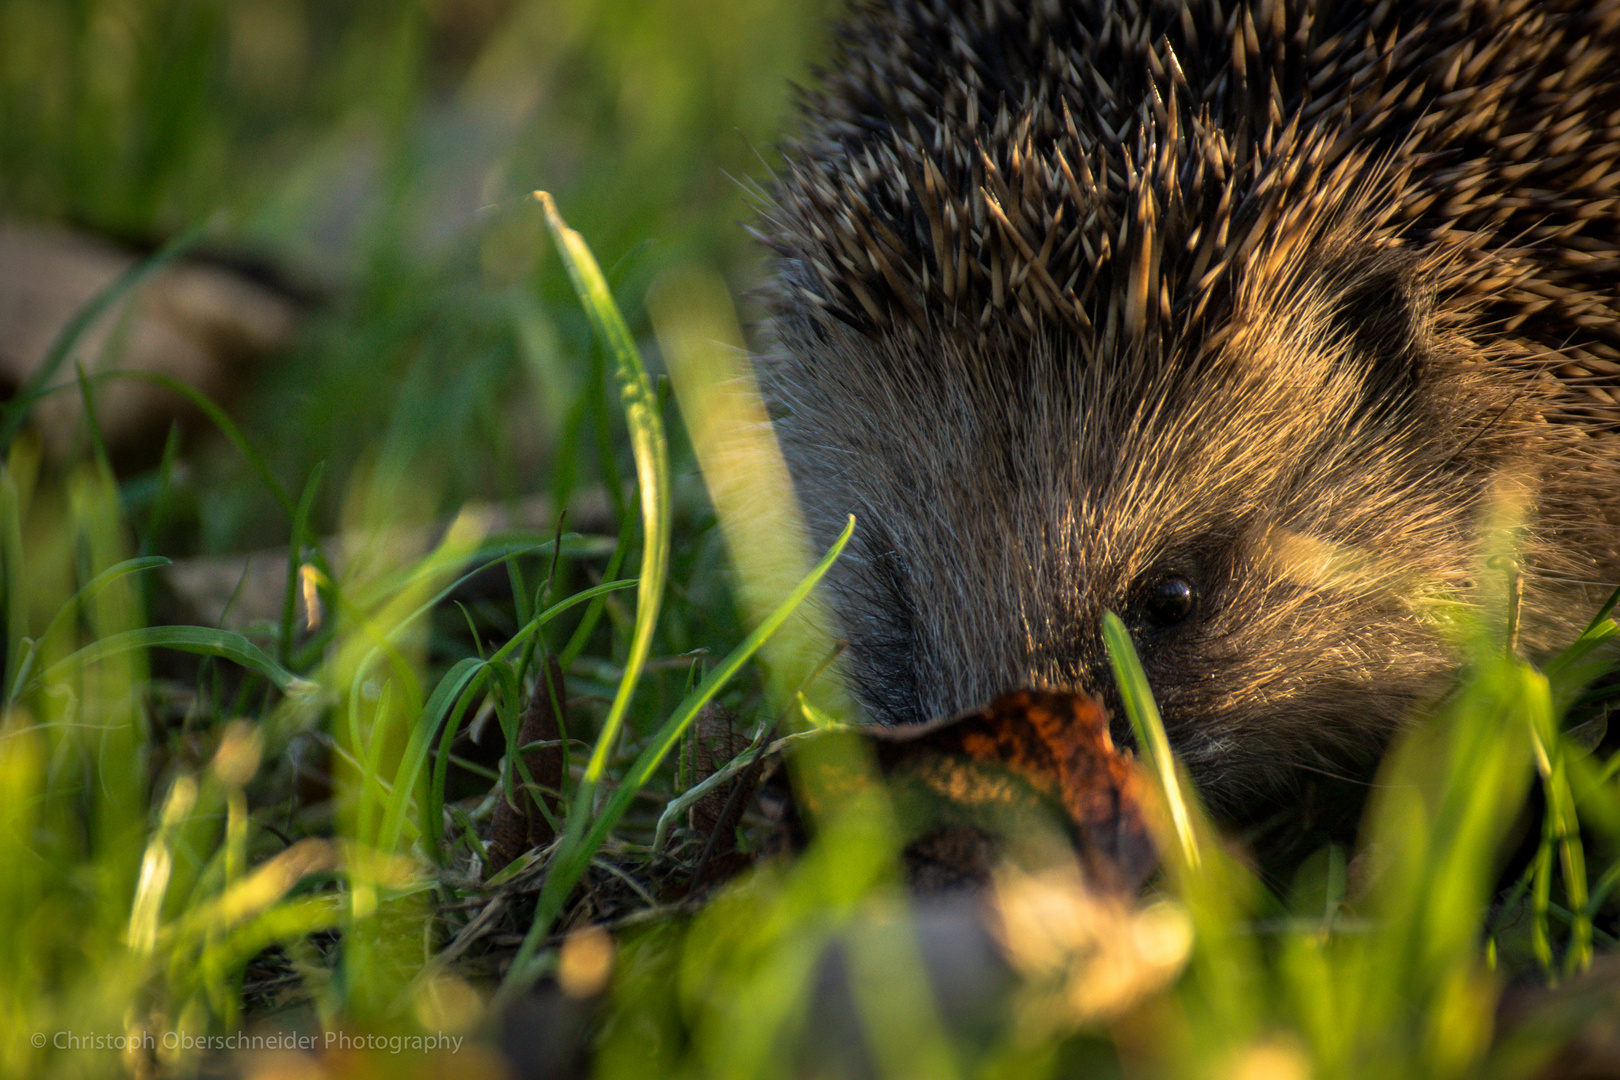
(1169, 602)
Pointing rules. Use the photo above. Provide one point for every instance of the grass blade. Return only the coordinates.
(578, 846)
(67, 610)
(228, 428)
(1149, 729)
(460, 684)
(206, 641)
(593, 614)
(295, 558)
(12, 579)
(444, 696)
(15, 411)
(651, 451)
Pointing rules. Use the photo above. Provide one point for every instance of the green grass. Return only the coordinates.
(208, 828)
(178, 901)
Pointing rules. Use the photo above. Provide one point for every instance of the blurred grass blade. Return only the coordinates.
(156, 865)
(1149, 729)
(395, 584)
(13, 577)
(652, 465)
(295, 561)
(228, 428)
(747, 479)
(287, 921)
(92, 426)
(578, 847)
(71, 609)
(259, 891)
(15, 411)
(203, 640)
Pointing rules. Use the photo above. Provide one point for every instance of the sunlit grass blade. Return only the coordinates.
(651, 452)
(1447, 795)
(1227, 987)
(1603, 612)
(155, 867)
(295, 561)
(261, 890)
(578, 845)
(1149, 730)
(1577, 666)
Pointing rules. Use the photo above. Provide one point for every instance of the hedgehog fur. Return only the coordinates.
(1235, 318)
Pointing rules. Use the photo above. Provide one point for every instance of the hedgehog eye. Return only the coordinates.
(1169, 602)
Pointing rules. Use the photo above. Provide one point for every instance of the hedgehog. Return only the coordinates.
(1242, 319)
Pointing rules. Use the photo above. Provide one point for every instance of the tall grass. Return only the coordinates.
(182, 887)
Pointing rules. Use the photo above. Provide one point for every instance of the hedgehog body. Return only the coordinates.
(1243, 320)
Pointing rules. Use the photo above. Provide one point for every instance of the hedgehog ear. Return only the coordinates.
(1385, 310)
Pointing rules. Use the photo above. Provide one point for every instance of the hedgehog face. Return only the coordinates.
(1270, 517)
(1224, 317)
